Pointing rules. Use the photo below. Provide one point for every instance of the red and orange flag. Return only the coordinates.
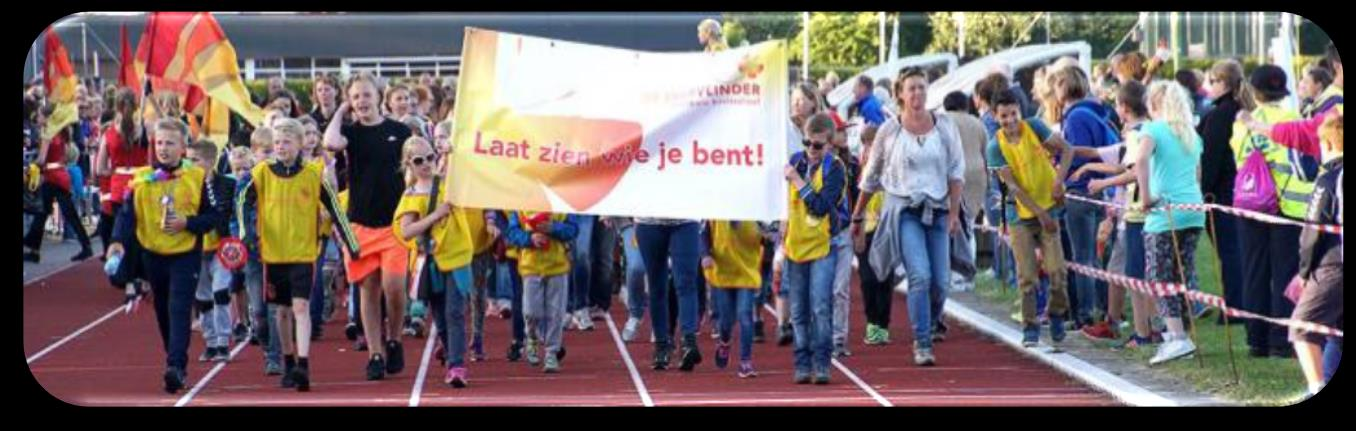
(190, 48)
(60, 82)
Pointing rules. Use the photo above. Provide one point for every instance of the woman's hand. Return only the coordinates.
(953, 223)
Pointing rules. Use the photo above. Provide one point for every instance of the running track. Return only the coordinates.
(119, 361)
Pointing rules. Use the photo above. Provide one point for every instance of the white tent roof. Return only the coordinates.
(843, 92)
(964, 78)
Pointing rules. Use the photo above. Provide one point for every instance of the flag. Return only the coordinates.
(191, 48)
(216, 123)
(59, 80)
(127, 72)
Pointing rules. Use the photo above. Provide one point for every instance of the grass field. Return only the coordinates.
(1263, 381)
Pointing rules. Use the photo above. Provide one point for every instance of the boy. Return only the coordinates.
(264, 332)
(1020, 150)
(166, 210)
(545, 267)
(290, 196)
(214, 296)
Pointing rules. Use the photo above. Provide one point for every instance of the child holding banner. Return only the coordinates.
(545, 267)
(429, 225)
(812, 222)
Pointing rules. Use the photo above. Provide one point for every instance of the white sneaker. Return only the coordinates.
(1172, 349)
(583, 321)
(629, 331)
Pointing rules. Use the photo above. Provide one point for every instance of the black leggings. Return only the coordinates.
(875, 293)
(50, 192)
(105, 228)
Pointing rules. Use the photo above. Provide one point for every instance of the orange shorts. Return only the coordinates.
(378, 248)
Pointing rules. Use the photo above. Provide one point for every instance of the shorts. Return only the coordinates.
(378, 249)
(287, 281)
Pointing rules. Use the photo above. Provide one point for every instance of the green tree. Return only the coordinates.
(990, 32)
(755, 27)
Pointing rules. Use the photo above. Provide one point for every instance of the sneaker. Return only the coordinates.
(1057, 330)
(223, 355)
(746, 370)
(758, 332)
(240, 333)
(34, 257)
(456, 376)
(351, 331)
(922, 356)
(802, 378)
(841, 351)
(207, 354)
(515, 352)
(597, 314)
(938, 331)
(872, 337)
(301, 376)
(629, 330)
(582, 320)
(174, 379)
(822, 377)
(661, 357)
(272, 368)
(1031, 336)
(785, 335)
(691, 354)
(722, 355)
(1102, 331)
(532, 353)
(477, 350)
(84, 254)
(1172, 349)
(376, 368)
(395, 357)
(552, 365)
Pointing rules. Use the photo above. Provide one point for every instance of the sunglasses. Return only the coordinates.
(419, 160)
(815, 145)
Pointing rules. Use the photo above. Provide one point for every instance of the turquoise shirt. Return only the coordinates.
(1172, 178)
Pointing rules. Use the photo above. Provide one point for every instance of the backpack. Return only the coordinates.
(1254, 187)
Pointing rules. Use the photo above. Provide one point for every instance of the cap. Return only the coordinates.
(1269, 80)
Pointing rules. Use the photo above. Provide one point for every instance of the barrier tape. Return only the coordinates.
(1161, 289)
(1262, 217)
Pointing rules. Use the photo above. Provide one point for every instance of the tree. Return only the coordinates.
(990, 32)
(754, 27)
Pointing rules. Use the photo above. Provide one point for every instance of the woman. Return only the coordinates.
(123, 150)
(375, 187)
(56, 185)
(1168, 166)
(325, 98)
(918, 161)
(1313, 84)
(1228, 95)
(1270, 251)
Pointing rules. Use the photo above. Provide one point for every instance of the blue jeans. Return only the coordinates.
(581, 271)
(635, 274)
(1229, 247)
(449, 313)
(506, 275)
(658, 245)
(809, 286)
(735, 304)
(1332, 354)
(927, 259)
(1080, 224)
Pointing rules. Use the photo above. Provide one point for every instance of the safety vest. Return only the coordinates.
(475, 224)
(154, 198)
(451, 238)
(547, 262)
(738, 251)
(873, 207)
(1030, 167)
(807, 236)
(1293, 187)
(289, 213)
(1331, 95)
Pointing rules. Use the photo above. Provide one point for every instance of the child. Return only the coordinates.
(508, 278)
(429, 225)
(289, 195)
(214, 296)
(240, 161)
(166, 209)
(731, 251)
(1020, 150)
(263, 332)
(876, 294)
(544, 265)
(809, 267)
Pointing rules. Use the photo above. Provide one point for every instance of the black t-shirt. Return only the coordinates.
(375, 180)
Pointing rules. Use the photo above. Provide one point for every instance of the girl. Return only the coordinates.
(441, 234)
(1167, 170)
(731, 251)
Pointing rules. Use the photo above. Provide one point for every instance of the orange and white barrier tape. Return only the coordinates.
(1262, 217)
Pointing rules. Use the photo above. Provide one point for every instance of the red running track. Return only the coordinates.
(120, 361)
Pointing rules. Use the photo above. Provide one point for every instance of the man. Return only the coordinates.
(866, 104)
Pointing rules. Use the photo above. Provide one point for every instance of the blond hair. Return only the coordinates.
(1330, 133)
(407, 151)
(170, 124)
(1169, 103)
(290, 128)
(262, 137)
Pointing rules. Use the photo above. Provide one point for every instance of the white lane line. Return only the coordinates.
(35, 280)
(77, 333)
(202, 383)
(423, 368)
(1119, 388)
(630, 365)
(850, 375)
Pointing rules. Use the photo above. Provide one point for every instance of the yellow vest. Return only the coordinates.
(1031, 168)
(873, 207)
(1294, 191)
(184, 192)
(289, 214)
(737, 252)
(548, 262)
(475, 224)
(807, 236)
(1327, 94)
(451, 239)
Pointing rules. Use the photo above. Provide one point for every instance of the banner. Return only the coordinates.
(548, 125)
